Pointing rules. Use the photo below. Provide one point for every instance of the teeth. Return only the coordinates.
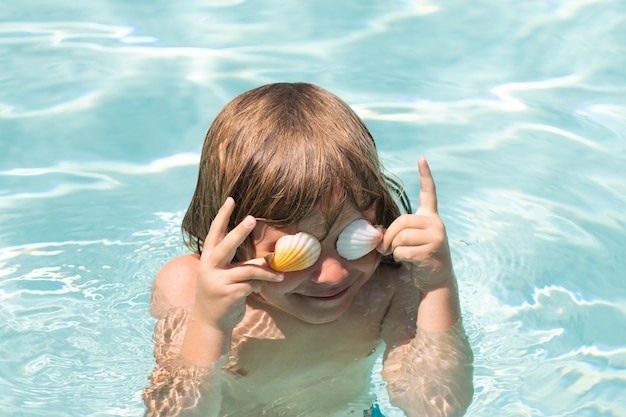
(294, 253)
(358, 239)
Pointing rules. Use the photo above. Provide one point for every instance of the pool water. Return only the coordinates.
(520, 107)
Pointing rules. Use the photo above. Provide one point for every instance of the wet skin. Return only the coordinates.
(324, 291)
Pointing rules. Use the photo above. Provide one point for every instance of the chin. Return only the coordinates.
(319, 318)
(320, 310)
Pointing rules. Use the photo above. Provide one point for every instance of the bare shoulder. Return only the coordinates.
(175, 285)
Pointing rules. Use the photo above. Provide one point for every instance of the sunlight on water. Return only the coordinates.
(519, 107)
(93, 172)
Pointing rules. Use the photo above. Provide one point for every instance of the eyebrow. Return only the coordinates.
(319, 233)
(319, 229)
(324, 228)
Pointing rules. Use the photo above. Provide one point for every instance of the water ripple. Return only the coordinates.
(75, 177)
(72, 330)
(524, 125)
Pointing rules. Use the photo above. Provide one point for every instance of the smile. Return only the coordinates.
(331, 295)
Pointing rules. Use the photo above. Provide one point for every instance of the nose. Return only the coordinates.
(330, 271)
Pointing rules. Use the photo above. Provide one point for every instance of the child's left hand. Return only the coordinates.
(419, 240)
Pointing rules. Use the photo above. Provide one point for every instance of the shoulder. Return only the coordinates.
(175, 285)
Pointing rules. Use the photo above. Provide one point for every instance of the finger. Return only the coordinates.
(410, 253)
(428, 193)
(223, 253)
(254, 270)
(384, 247)
(411, 238)
(402, 223)
(219, 225)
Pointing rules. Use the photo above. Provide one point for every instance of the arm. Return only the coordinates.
(428, 362)
(428, 373)
(176, 383)
(199, 301)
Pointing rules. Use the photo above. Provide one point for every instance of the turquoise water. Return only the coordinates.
(520, 107)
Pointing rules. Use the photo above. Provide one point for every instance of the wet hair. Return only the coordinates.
(285, 151)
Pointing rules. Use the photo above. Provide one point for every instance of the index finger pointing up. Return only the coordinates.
(428, 194)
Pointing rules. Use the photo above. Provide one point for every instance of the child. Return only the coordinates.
(235, 337)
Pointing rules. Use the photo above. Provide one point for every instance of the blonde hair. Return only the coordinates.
(282, 151)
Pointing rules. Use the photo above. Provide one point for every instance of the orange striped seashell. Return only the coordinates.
(294, 252)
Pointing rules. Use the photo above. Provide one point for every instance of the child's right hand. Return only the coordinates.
(222, 287)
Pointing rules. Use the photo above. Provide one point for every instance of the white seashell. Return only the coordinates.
(294, 252)
(358, 239)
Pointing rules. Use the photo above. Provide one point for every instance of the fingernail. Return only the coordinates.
(280, 276)
(249, 221)
(228, 201)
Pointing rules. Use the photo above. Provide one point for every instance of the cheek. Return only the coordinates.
(367, 263)
(277, 289)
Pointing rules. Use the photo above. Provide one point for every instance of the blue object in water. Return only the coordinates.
(374, 411)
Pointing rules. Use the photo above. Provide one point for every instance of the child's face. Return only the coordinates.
(324, 291)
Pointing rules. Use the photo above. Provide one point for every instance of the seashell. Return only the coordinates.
(358, 239)
(294, 252)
